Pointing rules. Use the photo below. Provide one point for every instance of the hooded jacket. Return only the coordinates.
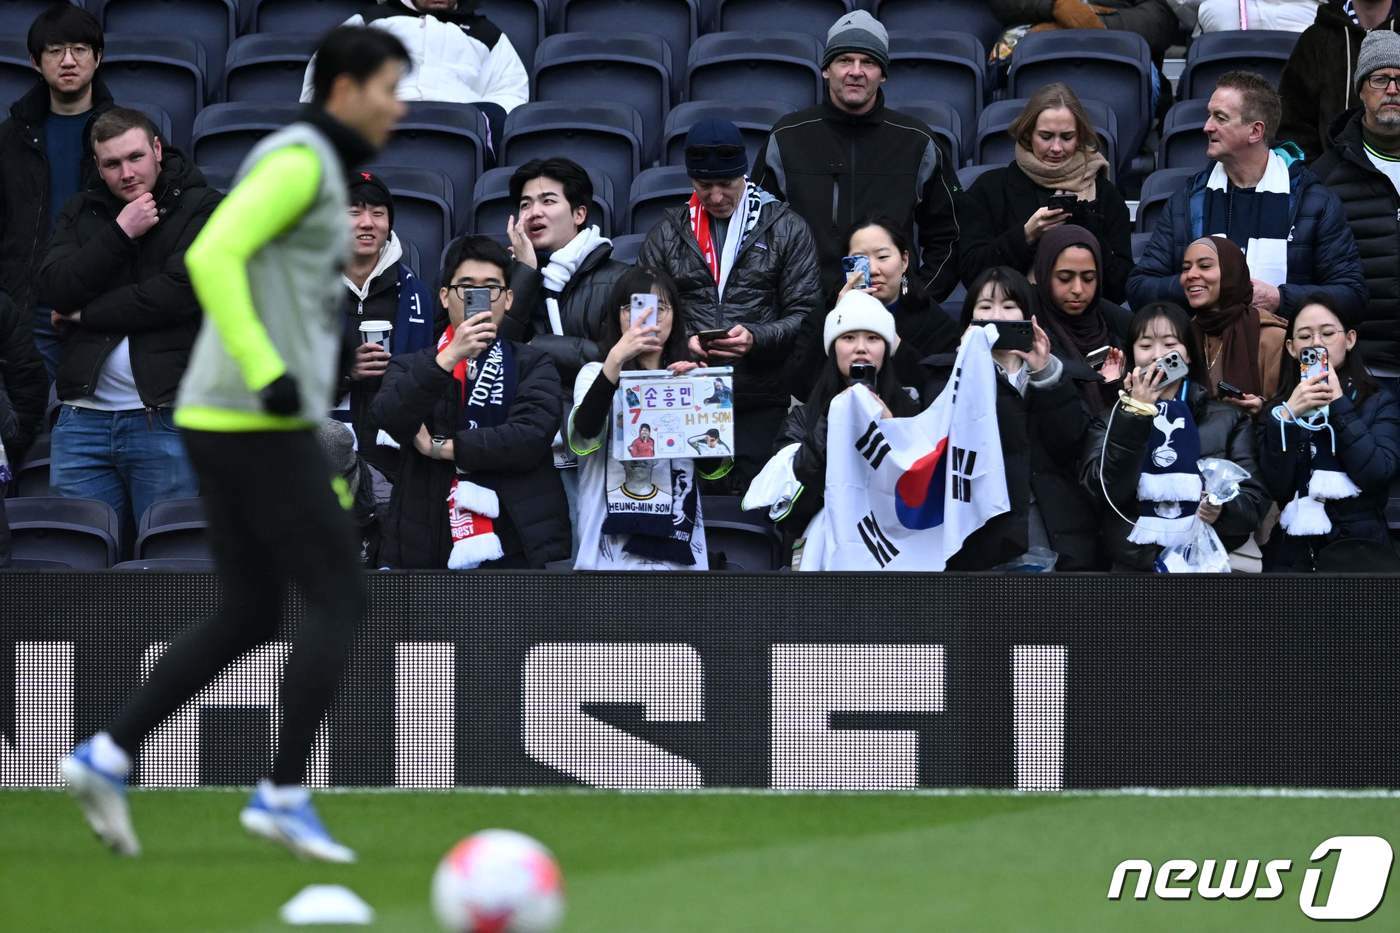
(137, 289)
(24, 186)
(1318, 82)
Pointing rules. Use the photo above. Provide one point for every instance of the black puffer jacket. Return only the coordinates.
(1318, 82)
(1368, 449)
(772, 289)
(512, 459)
(1225, 432)
(24, 385)
(128, 288)
(1041, 437)
(24, 187)
(1373, 213)
(1154, 20)
(994, 212)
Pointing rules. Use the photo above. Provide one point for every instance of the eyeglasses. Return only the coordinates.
(1327, 333)
(1379, 82)
(461, 289)
(80, 51)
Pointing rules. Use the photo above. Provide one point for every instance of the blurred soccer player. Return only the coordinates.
(260, 379)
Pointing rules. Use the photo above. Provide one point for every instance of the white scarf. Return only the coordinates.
(1267, 256)
(562, 265)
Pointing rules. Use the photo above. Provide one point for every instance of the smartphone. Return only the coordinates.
(477, 301)
(1227, 390)
(1062, 202)
(643, 309)
(864, 373)
(719, 333)
(1312, 361)
(1173, 367)
(1012, 335)
(1096, 358)
(859, 264)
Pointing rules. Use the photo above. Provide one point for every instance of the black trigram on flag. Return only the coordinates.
(872, 445)
(963, 464)
(881, 548)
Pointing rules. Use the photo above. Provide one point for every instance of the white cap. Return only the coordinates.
(858, 311)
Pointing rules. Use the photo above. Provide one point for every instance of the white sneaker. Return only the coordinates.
(102, 795)
(296, 827)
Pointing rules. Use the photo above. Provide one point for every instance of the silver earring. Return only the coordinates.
(904, 284)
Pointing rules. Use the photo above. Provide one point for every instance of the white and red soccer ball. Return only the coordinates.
(498, 881)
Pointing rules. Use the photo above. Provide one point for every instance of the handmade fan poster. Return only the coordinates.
(660, 416)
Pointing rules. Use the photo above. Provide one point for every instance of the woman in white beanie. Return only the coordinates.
(859, 333)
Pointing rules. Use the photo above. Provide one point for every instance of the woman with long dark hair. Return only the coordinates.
(1328, 450)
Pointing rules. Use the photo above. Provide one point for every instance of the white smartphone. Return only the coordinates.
(643, 309)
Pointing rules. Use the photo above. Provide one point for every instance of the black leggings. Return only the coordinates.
(273, 519)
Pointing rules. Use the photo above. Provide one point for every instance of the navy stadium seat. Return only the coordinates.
(1211, 54)
(1157, 190)
(17, 76)
(605, 137)
(625, 68)
(32, 476)
(1108, 65)
(162, 121)
(81, 533)
(970, 173)
(302, 16)
(17, 15)
(168, 565)
(732, 66)
(938, 66)
(523, 22)
(224, 134)
(165, 70)
(627, 247)
(995, 145)
(211, 23)
(267, 67)
(738, 540)
(1183, 145)
(492, 205)
(974, 17)
(814, 17)
(655, 191)
(173, 528)
(754, 118)
(675, 21)
(452, 138)
(943, 119)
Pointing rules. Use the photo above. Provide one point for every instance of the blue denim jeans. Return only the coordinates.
(127, 459)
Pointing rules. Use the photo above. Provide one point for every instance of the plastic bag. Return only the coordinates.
(1221, 479)
(1203, 552)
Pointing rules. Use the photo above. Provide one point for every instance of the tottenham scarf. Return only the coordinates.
(1169, 482)
(741, 224)
(656, 503)
(1326, 480)
(1257, 221)
(485, 403)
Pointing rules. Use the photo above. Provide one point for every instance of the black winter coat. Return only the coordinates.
(513, 459)
(1225, 432)
(24, 385)
(1373, 213)
(837, 168)
(1318, 83)
(994, 212)
(771, 290)
(1041, 436)
(1368, 448)
(1092, 389)
(1154, 20)
(24, 187)
(128, 288)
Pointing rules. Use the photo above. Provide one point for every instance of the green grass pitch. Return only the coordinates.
(657, 863)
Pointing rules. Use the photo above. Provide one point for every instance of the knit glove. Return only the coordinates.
(281, 396)
(1076, 14)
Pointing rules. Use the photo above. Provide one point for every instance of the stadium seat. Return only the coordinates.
(655, 191)
(1182, 144)
(32, 476)
(1108, 65)
(162, 121)
(26, 563)
(492, 206)
(17, 15)
(224, 133)
(173, 528)
(732, 66)
(605, 137)
(1157, 190)
(676, 21)
(970, 173)
(453, 138)
(1212, 54)
(995, 146)
(17, 76)
(813, 17)
(414, 258)
(943, 119)
(423, 208)
(523, 22)
(754, 118)
(211, 23)
(81, 533)
(973, 17)
(738, 540)
(169, 565)
(627, 247)
(626, 68)
(1140, 241)
(308, 17)
(267, 67)
(165, 70)
(938, 66)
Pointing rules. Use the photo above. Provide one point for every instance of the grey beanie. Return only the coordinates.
(1380, 49)
(858, 32)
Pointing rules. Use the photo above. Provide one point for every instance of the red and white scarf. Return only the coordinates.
(741, 223)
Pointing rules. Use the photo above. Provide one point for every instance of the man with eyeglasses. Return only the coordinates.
(1291, 228)
(1363, 170)
(475, 417)
(46, 150)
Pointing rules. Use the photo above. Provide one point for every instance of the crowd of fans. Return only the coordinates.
(478, 435)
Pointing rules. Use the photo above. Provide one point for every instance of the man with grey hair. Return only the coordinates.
(851, 158)
(1362, 168)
